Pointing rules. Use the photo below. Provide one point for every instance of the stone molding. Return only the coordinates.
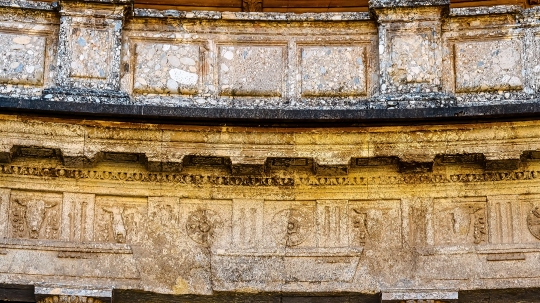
(69, 299)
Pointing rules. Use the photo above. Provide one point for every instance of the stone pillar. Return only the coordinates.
(89, 49)
(419, 297)
(410, 51)
(64, 295)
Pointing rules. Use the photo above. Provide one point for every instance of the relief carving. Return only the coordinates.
(201, 225)
(119, 219)
(252, 5)
(118, 227)
(69, 299)
(533, 222)
(360, 229)
(35, 218)
(292, 226)
(461, 222)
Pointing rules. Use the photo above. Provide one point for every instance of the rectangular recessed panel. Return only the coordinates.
(488, 65)
(413, 58)
(460, 221)
(333, 71)
(251, 70)
(167, 68)
(90, 53)
(22, 59)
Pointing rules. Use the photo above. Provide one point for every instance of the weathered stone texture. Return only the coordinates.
(405, 56)
(416, 203)
(166, 68)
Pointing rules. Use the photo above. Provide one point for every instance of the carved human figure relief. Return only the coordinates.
(360, 228)
(252, 5)
(119, 219)
(35, 217)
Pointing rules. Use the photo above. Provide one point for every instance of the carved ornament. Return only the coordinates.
(69, 299)
(228, 180)
(533, 222)
(252, 5)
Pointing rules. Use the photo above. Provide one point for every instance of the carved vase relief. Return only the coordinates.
(201, 225)
(35, 215)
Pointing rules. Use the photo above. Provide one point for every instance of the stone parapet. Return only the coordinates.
(406, 57)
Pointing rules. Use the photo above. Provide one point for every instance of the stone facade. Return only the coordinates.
(100, 209)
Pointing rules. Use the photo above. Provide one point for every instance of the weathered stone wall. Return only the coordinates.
(199, 210)
(97, 211)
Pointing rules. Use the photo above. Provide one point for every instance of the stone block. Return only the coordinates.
(488, 65)
(333, 71)
(22, 59)
(246, 70)
(413, 58)
(90, 59)
(167, 68)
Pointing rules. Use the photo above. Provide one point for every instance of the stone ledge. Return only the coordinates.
(257, 116)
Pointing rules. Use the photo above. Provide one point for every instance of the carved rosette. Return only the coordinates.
(533, 222)
(69, 299)
(201, 225)
(292, 226)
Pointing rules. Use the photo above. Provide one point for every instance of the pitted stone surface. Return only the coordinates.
(333, 71)
(488, 65)
(167, 68)
(91, 54)
(251, 70)
(22, 59)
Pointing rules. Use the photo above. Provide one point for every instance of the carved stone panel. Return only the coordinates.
(167, 68)
(78, 217)
(119, 219)
(250, 70)
(207, 222)
(333, 223)
(529, 218)
(333, 70)
(504, 219)
(290, 224)
(374, 222)
(22, 59)
(5, 194)
(248, 228)
(488, 65)
(460, 221)
(35, 215)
